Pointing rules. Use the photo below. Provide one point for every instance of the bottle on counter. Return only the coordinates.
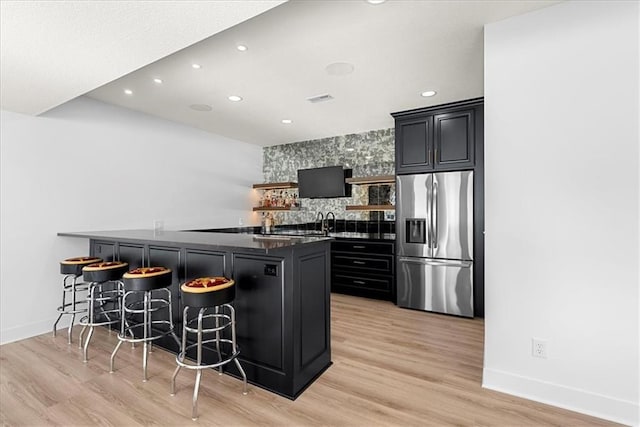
(268, 224)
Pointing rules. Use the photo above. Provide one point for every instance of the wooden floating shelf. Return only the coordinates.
(381, 179)
(275, 185)
(274, 208)
(371, 208)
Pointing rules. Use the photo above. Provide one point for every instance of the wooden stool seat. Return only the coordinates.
(75, 265)
(208, 292)
(147, 278)
(104, 271)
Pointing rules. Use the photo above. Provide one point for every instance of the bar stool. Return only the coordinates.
(145, 280)
(205, 294)
(101, 276)
(72, 270)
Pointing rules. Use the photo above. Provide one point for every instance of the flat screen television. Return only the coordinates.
(323, 182)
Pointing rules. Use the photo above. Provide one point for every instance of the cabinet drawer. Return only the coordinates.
(381, 264)
(345, 279)
(382, 248)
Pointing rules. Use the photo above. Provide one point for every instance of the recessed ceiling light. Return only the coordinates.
(339, 69)
(196, 66)
(286, 121)
(375, 1)
(200, 107)
(157, 80)
(128, 92)
(235, 98)
(428, 93)
(241, 48)
(351, 149)
(368, 157)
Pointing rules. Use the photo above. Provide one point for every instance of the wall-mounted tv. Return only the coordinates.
(323, 182)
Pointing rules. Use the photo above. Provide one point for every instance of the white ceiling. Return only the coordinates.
(54, 51)
(398, 49)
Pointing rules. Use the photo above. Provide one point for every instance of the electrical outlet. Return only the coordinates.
(538, 348)
(240, 221)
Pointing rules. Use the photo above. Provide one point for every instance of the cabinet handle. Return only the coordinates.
(359, 282)
(359, 262)
(358, 247)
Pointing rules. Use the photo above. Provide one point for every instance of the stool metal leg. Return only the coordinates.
(217, 311)
(64, 295)
(194, 407)
(146, 326)
(122, 333)
(92, 294)
(81, 336)
(171, 326)
(235, 347)
(181, 351)
(74, 308)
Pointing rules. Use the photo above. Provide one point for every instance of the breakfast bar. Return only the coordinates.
(282, 294)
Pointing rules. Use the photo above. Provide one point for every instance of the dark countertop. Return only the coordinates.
(306, 233)
(262, 243)
(338, 235)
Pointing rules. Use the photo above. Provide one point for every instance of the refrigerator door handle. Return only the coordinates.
(434, 213)
(428, 225)
(436, 262)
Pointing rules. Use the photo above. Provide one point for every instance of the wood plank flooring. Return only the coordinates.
(392, 367)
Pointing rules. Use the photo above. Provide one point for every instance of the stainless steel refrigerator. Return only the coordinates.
(434, 241)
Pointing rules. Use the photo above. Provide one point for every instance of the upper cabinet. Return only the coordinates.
(438, 138)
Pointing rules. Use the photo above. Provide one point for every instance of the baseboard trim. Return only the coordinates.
(573, 399)
(29, 330)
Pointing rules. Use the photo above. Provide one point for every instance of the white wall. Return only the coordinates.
(92, 166)
(562, 192)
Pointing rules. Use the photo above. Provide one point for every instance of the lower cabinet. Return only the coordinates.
(363, 268)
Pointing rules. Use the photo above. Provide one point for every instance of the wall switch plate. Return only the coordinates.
(271, 270)
(538, 348)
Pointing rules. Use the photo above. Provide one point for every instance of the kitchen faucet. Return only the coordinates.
(328, 227)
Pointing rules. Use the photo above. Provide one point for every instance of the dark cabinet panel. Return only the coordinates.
(204, 264)
(253, 286)
(132, 254)
(370, 263)
(169, 258)
(359, 281)
(104, 250)
(454, 140)
(414, 145)
(314, 308)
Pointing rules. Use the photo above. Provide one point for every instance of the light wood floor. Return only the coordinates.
(391, 367)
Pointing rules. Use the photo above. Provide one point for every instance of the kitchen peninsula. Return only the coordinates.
(282, 293)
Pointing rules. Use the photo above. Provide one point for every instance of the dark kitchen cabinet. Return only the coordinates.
(441, 138)
(363, 268)
(454, 139)
(414, 144)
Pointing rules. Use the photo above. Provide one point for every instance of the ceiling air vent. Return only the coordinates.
(320, 98)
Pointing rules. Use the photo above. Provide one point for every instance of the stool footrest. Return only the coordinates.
(160, 304)
(189, 364)
(130, 329)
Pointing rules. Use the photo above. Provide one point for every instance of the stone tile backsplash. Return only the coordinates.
(367, 154)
